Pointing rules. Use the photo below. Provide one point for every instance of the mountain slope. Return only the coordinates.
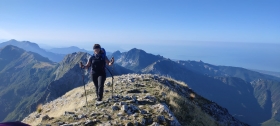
(159, 100)
(212, 70)
(233, 93)
(267, 94)
(33, 47)
(22, 74)
(262, 84)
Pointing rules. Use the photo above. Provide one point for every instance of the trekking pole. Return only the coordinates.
(113, 77)
(81, 64)
(112, 80)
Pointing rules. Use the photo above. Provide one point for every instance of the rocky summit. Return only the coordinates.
(136, 100)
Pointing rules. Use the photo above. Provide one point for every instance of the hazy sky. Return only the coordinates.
(70, 22)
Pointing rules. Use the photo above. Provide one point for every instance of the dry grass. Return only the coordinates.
(39, 108)
(184, 109)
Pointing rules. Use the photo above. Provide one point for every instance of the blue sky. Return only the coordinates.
(66, 22)
(221, 32)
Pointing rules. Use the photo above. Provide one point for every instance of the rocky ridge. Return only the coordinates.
(138, 99)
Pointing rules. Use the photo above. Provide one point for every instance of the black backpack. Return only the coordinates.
(98, 62)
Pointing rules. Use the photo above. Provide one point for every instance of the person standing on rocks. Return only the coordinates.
(98, 64)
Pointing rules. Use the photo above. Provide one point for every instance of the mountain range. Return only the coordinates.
(33, 47)
(54, 54)
(230, 87)
(249, 96)
(68, 50)
(28, 79)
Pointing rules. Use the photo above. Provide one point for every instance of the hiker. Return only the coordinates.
(98, 64)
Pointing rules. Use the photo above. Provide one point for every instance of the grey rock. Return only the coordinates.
(150, 98)
(127, 98)
(116, 104)
(135, 114)
(134, 97)
(170, 115)
(69, 113)
(123, 103)
(155, 124)
(90, 123)
(174, 123)
(115, 108)
(143, 112)
(129, 124)
(107, 117)
(108, 84)
(136, 124)
(120, 114)
(122, 118)
(37, 115)
(143, 121)
(156, 77)
(124, 108)
(94, 114)
(134, 108)
(134, 91)
(129, 112)
(67, 125)
(149, 121)
(81, 116)
(145, 91)
(60, 123)
(163, 94)
(161, 119)
(46, 117)
(107, 124)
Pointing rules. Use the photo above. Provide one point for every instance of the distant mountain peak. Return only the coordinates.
(74, 47)
(27, 43)
(12, 40)
(118, 51)
(33, 47)
(11, 49)
(135, 49)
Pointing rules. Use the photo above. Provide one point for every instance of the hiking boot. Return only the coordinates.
(98, 102)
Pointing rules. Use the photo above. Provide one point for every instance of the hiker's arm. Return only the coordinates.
(108, 62)
(88, 64)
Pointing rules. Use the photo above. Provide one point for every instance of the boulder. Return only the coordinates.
(161, 119)
(108, 84)
(69, 113)
(124, 108)
(115, 108)
(81, 116)
(129, 124)
(143, 121)
(46, 117)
